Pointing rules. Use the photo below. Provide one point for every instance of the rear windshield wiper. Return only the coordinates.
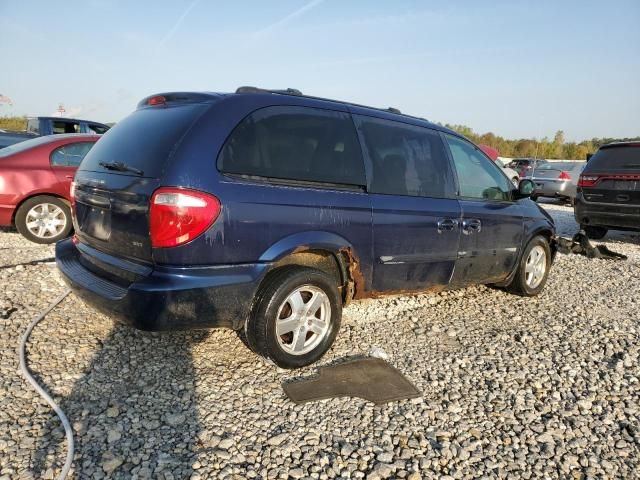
(121, 167)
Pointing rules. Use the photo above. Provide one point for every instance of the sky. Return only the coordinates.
(516, 68)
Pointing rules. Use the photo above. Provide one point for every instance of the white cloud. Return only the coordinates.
(285, 20)
(176, 25)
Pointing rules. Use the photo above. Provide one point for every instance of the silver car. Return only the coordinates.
(556, 179)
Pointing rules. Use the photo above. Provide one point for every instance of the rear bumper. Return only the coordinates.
(621, 217)
(551, 188)
(168, 298)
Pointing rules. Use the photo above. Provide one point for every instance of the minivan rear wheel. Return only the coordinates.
(44, 219)
(295, 318)
(533, 269)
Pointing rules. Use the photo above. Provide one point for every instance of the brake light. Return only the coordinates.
(564, 176)
(588, 180)
(178, 215)
(157, 100)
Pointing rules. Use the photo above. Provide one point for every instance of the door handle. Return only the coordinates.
(447, 225)
(470, 226)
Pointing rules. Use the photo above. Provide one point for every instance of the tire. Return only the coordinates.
(529, 280)
(41, 214)
(243, 338)
(595, 233)
(278, 292)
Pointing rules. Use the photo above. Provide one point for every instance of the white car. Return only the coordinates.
(509, 172)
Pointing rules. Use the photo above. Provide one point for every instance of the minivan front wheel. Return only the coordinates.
(296, 317)
(533, 269)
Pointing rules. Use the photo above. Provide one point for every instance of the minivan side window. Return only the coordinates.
(478, 177)
(295, 143)
(405, 159)
(70, 155)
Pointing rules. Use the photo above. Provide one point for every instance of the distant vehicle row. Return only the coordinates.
(41, 126)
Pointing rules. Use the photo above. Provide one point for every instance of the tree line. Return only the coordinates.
(13, 123)
(557, 148)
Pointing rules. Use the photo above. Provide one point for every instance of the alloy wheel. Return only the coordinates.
(303, 320)
(535, 267)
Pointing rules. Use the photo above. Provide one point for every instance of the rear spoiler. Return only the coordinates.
(176, 97)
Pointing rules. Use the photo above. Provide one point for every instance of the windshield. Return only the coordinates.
(23, 146)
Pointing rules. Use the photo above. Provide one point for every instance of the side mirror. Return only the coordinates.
(525, 189)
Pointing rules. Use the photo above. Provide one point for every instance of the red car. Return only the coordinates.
(35, 178)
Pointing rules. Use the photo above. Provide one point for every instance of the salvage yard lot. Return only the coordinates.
(540, 387)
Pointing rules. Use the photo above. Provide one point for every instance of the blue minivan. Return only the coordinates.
(267, 211)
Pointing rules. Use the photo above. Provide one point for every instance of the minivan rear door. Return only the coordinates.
(116, 179)
(416, 216)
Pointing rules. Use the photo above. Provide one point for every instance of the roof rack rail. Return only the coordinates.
(298, 93)
(286, 91)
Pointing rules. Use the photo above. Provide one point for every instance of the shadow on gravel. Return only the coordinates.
(133, 410)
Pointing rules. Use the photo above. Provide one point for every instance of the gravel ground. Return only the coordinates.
(512, 387)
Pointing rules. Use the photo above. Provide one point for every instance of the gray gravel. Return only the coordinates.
(522, 388)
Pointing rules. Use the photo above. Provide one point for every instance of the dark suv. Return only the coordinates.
(609, 190)
(266, 211)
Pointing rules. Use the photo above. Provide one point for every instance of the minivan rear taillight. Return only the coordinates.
(588, 180)
(178, 215)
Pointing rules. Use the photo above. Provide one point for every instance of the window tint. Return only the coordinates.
(295, 143)
(145, 139)
(405, 159)
(65, 127)
(99, 129)
(70, 155)
(623, 158)
(478, 177)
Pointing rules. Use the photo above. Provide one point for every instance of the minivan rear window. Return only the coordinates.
(145, 139)
(295, 143)
(623, 158)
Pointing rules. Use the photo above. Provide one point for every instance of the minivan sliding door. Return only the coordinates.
(415, 213)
